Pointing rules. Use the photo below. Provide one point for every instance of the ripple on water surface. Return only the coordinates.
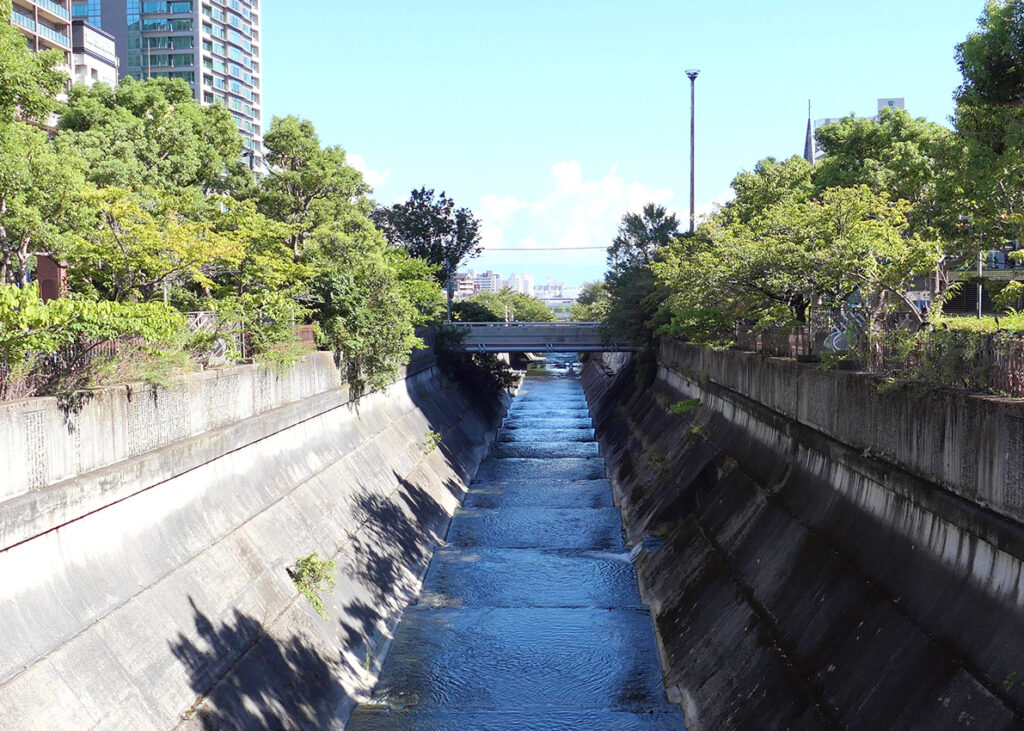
(530, 616)
(495, 659)
(501, 577)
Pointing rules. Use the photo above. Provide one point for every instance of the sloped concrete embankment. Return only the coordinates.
(146, 541)
(808, 581)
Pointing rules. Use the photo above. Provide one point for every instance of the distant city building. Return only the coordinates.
(883, 103)
(489, 282)
(214, 45)
(521, 283)
(892, 103)
(463, 287)
(94, 55)
(550, 290)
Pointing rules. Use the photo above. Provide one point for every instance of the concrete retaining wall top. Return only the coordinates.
(970, 444)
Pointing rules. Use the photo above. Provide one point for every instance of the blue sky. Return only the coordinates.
(550, 120)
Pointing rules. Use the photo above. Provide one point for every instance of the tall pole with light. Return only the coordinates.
(691, 74)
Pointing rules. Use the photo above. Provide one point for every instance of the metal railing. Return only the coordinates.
(49, 33)
(54, 8)
(24, 21)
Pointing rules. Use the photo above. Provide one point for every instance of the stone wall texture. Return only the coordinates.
(145, 543)
(836, 555)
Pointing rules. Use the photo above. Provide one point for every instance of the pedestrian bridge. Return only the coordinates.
(537, 337)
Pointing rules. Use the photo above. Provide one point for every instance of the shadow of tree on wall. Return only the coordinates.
(246, 679)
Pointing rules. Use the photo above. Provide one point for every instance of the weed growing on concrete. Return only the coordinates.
(312, 575)
(430, 442)
(684, 407)
(1011, 680)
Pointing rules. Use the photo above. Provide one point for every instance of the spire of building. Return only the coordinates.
(809, 151)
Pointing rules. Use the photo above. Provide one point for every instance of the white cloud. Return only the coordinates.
(587, 212)
(575, 212)
(371, 176)
(491, 236)
(498, 209)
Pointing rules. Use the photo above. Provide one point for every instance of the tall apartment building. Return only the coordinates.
(45, 24)
(214, 45)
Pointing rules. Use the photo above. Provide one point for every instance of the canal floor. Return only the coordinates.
(530, 616)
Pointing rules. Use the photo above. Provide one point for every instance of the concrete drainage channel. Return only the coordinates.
(530, 616)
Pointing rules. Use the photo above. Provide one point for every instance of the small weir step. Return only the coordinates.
(502, 577)
(545, 449)
(541, 493)
(529, 616)
(582, 434)
(599, 528)
(546, 422)
(579, 468)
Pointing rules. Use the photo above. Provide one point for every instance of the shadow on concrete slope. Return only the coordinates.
(275, 684)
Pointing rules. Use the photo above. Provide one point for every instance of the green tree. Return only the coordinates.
(494, 306)
(592, 304)
(850, 242)
(27, 324)
(632, 297)
(40, 198)
(431, 228)
(308, 186)
(361, 306)
(991, 58)
(152, 133)
(769, 183)
(141, 242)
(640, 235)
(896, 154)
(29, 82)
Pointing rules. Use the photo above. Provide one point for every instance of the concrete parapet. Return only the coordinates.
(154, 591)
(807, 579)
(42, 443)
(970, 444)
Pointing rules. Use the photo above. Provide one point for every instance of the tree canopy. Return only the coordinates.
(151, 133)
(430, 227)
(29, 82)
(992, 58)
(494, 306)
(640, 235)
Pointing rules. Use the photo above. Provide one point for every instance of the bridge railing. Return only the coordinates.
(536, 337)
(523, 323)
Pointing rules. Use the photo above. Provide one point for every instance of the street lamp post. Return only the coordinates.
(691, 74)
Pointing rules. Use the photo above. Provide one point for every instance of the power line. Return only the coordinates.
(552, 248)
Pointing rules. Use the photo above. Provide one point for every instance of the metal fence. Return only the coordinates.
(968, 361)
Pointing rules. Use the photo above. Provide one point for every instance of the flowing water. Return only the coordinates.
(530, 616)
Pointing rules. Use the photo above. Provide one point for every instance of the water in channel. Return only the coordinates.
(529, 616)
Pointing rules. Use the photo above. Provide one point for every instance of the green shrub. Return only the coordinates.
(685, 407)
(312, 575)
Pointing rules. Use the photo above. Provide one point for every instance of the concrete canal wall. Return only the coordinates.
(145, 543)
(837, 554)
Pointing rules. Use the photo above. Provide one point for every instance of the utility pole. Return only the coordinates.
(449, 286)
(691, 74)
